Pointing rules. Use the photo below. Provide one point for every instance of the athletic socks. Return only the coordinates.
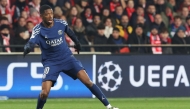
(41, 103)
(98, 93)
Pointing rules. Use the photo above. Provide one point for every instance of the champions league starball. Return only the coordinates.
(109, 76)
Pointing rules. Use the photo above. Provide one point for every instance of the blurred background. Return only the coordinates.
(130, 48)
(104, 25)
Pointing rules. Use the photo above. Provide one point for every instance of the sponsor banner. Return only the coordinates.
(143, 75)
(21, 78)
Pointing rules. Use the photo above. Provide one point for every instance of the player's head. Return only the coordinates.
(46, 14)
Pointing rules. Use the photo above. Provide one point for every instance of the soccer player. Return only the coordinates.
(57, 57)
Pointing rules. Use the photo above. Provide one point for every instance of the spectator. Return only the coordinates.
(66, 7)
(160, 6)
(151, 14)
(139, 12)
(22, 37)
(173, 4)
(114, 4)
(116, 39)
(165, 39)
(118, 13)
(180, 38)
(34, 16)
(142, 3)
(158, 22)
(168, 15)
(97, 6)
(5, 38)
(82, 5)
(5, 10)
(72, 16)
(63, 17)
(93, 26)
(58, 12)
(30, 26)
(177, 23)
(21, 23)
(79, 30)
(187, 25)
(4, 20)
(108, 27)
(138, 37)
(19, 6)
(24, 14)
(87, 16)
(105, 14)
(155, 40)
(141, 20)
(100, 38)
(130, 8)
(35, 4)
(185, 3)
(51, 3)
(124, 27)
(184, 14)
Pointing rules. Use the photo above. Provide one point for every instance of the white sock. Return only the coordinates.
(108, 106)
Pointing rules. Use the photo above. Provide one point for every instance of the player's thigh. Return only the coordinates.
(51, 74)
(73, 68)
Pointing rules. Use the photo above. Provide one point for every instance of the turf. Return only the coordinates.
(122, 103)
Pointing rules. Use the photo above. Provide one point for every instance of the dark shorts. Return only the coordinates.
(51, 73)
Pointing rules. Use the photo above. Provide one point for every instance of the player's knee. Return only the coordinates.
(44, 94)
(88, 83)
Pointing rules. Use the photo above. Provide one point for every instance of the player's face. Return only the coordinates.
(47, 16)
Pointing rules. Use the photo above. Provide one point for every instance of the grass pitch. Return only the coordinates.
(122, 103)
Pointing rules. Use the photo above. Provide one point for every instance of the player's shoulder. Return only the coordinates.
(36, 30)
(60, 21)
(37, 27)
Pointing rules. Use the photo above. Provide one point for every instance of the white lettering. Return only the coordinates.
(181, 77)
(165, 75)
(55, 42)
(10, 71)
(152, 76)
(142, 76)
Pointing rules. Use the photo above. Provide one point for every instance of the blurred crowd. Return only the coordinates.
(103, 22)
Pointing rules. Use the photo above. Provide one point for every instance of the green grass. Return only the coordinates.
(122, 103)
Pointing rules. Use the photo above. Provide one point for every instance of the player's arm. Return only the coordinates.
(74, 38)
(31, 43)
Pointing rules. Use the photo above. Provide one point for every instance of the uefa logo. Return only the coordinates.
(109, 76)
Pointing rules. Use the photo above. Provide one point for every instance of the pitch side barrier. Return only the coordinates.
(116, 75)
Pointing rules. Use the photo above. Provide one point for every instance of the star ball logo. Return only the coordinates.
(109, 76)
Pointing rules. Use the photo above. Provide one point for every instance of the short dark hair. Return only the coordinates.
(164, 30)
(116, 29)
(43, 8)
(3, 18)
(177, 17)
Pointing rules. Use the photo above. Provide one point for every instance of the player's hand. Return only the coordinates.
(77, 47)
(26, 50)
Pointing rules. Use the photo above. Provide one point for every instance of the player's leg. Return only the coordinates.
(84, 78)
(49, 78)
(46, 86)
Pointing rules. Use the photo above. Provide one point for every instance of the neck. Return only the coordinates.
(48, 26)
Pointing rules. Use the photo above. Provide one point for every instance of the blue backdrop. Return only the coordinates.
(21, 78)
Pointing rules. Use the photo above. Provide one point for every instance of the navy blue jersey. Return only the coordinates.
(52, 42)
